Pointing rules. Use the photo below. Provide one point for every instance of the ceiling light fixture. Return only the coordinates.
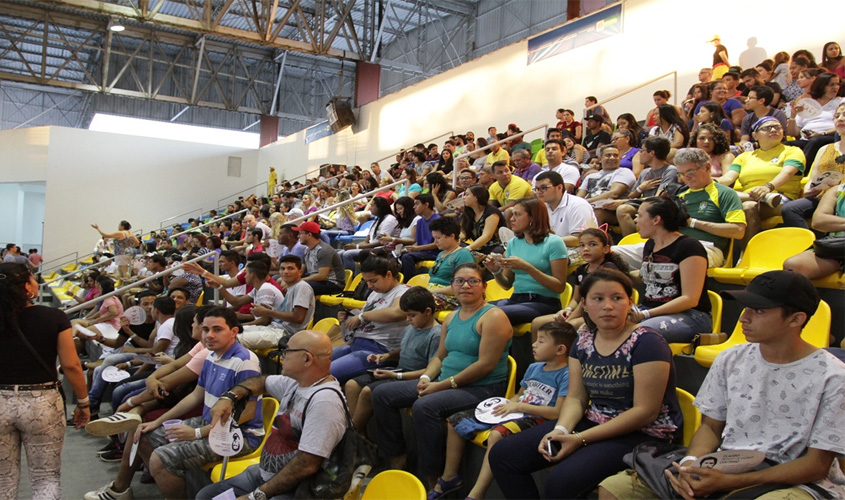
(116, 25)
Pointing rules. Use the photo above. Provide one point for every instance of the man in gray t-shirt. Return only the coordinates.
(295, 446)
(292, 316)
(323, 266)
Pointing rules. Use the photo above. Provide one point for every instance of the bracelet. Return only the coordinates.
(646, 314)
(687, 458)
(83, 407)
(452, 381)
(583, 441)
(692, 223)
(230, 396)
(770, 186)
(398, 375)
(562, 429)
(198, 433)
(361, 317)
(130, 403)
(424, 376)
(84, 400)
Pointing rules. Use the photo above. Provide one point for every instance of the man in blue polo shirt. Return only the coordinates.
(171, 452)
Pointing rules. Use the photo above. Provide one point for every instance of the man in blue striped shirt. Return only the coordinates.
(170, 452)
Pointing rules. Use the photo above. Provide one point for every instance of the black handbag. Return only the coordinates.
(351, 459)
(830, 247)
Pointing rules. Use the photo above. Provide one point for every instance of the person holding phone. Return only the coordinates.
(621, 394)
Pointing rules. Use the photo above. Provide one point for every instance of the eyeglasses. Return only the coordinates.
(689, 173)
(471, 281)
(285, 352)
(770, 128)
(542, 189)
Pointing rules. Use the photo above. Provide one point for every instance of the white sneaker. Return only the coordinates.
(115, 424)
(107, 493)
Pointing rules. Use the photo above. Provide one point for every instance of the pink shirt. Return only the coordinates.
(198, 354)
(112, 301)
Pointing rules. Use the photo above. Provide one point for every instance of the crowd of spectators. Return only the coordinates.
(692, 180)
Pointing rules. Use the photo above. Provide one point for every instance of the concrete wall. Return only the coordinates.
(659, 36)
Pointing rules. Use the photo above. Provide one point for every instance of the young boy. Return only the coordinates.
(419, 344)
(540, 397)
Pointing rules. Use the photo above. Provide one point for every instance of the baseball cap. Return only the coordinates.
(593, 117)
(778, 289)
(311, 227)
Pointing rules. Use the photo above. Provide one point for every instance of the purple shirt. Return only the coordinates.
(529, 173)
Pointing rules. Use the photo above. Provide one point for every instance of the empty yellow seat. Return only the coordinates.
(336, 300)
(396, 485)
(632, 239)
(269, 408)
(420, 280)
(766, 252)
(692, 417)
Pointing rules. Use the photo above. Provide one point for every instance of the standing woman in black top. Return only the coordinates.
(31, 408)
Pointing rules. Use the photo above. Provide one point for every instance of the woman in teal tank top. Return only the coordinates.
(470, 366)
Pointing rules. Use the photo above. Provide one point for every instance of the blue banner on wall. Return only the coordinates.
(576, 34)
(318, 131)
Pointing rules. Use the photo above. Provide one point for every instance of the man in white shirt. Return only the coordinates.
(555, 150)
(568, 214)
(292, 315)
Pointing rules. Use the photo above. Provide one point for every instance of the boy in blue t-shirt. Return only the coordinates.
(540, 397)
(420, 340)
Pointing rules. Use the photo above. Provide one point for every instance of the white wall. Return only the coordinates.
(659, 36)
(103, 178)
(23, 207)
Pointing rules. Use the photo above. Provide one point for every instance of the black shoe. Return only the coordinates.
(115, 455)
(146, 477)
(109, 447)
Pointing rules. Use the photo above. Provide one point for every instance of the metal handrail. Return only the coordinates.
(214, 221)
(161, 224)
(449, 133)
(143, 281)
(469, 153)
(43, 286)
(221, 200)
(62, 262)
(407, 183)
(638, 87)
(344, 174)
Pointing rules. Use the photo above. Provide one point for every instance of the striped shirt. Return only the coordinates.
(222, 372)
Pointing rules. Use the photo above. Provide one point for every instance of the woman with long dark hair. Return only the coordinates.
(31, 408)
(440, 190)
(671, 126)
(832, 59)
(534, 264)
(481, 221)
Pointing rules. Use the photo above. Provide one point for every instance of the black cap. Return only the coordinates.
(593, 117)
(778, 289)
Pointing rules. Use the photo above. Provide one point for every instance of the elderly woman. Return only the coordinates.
(673, 270)
(768, 175)
(470, 366)
(621, 394)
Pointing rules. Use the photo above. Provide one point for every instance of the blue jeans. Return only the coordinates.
(98, 385)
(680, 327)
(350, 258)
(524, 307)
(349, 361)
(128, 389)
(514, 458)
(243, 484)
(796, 212)
(410, 259)
(430, 414)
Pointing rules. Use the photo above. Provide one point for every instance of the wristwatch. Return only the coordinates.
(230, 396)
(257, 494)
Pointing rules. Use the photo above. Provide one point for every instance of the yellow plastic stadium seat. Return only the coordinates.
(419, 280)
(49, 277)
(347, 278)
(73, 266)
(496, 292)
(635, 296)
(692, 417)
(835, 281)
(816, 332)
(395, 485)
(324, 325)
(336, 300)
(716, 305)
(481, 437)
(766, 252)
(729, 259)
(442, 315)
(269, 408)
(401, 278)
(632, 239)
(771, 222)
(200, 298)
(425, 264)
(353, 304)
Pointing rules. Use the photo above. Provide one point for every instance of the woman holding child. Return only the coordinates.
(470, 366)
(621, 394)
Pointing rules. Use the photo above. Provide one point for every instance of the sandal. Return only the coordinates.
(445, 487)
